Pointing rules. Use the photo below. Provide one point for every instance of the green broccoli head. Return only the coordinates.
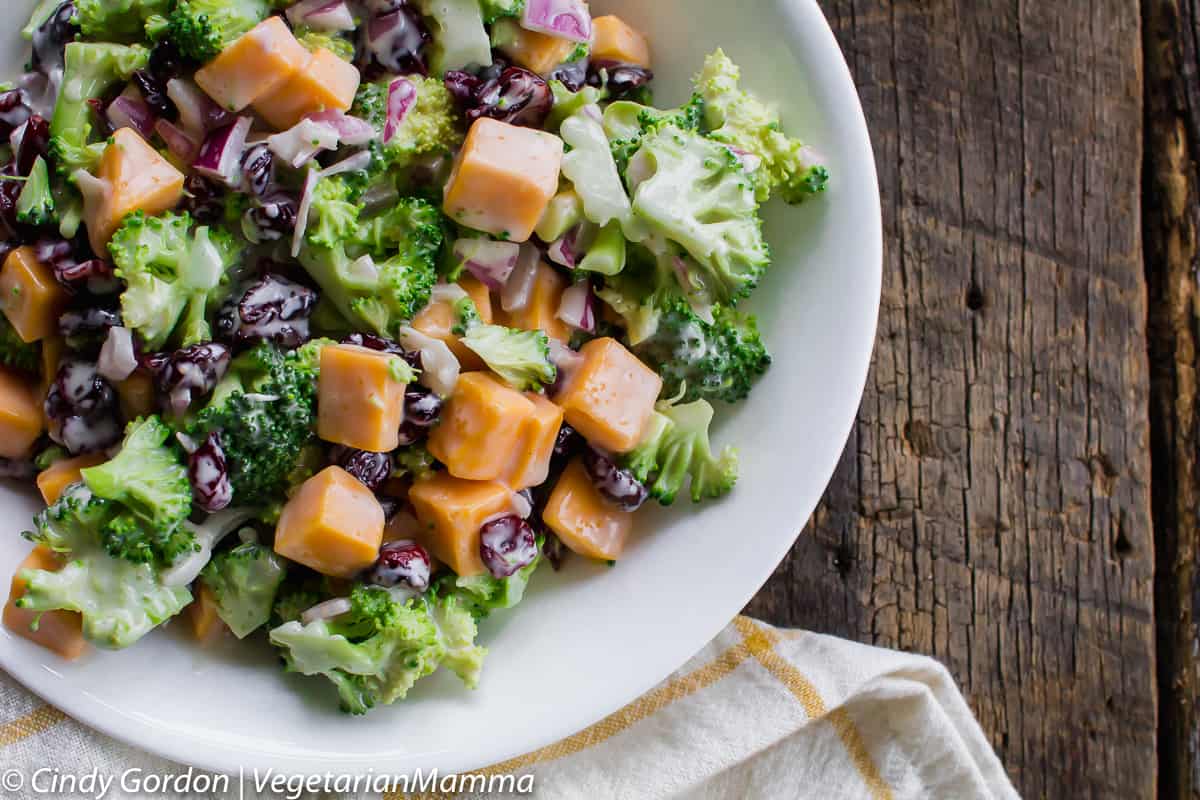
(675, 447)
(148, 476)
(169, 268)
(521, 358)
(201, 29)
(120, 601)
(740, 120)
(244, 582)
(431, 126)
(335, 43)
(699, 359)
(35, 203)
(483, 594)
(16, 353)
(117, 20)
(500, 9)
(459, 37)
(90, 70)
(264, 410)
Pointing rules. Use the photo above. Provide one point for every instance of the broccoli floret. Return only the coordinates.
(380, 272)
(170, 268)
(459, 38)
(431, 126)
(35, 204)
(676, 446)
(50, 456)
(414, 461)
(627, 123)
(41, 13)
(90, 70)
(567, 103)
(117, 20)
(339, 45)
(120, 601)
(264, 410)
(244, 582)
(693, 192)
(699, 359)
(738, 119)
(201, 29)
(290, 605)
(590, 167)
(16, 353)
(499, 9)
(483, 594)
(521, 358)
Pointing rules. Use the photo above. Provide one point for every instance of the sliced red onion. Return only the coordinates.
(519, 288)
(220, 156)
(179, 143)
(566, 19)
(117, 359)
(569, 250)
(299, 143)
(577, 308)
(439, 367)
(327, 610)
(198, 114)
(310, 183)
(489, 261)
(402, 96)
(322, 15)
(350, 130)
(358, 161)
(126, 112)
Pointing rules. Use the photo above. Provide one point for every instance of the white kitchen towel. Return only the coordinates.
(759, 713)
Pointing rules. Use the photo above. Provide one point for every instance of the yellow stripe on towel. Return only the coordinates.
(31, 724)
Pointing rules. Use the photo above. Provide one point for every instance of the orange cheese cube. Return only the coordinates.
(611, 396)
(326, 82)
(58, 631)
(333, 524)
(30, 296)
(136, 395)
(451, 512)
(536, 52)
(503, 179)
(203, 620)
(256, 64)
(138, 179)
(480, 428)
(21, 414)
(541, 312)
(615, 40)
(586, 522)
(480, 295)
(539, 430)
(58, 476)
(359, 403)
(437, 321)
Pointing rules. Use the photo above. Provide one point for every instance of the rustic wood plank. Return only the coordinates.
(992, 508)
(1171, 212)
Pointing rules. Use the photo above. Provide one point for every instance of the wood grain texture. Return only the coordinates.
(992, 508)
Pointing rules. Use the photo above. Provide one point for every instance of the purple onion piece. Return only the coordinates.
(220, 157)
(395, 41)
(125, 112)
(565, 19)
(489, 261)
(181, 145)
(401, 97)
(577, 307)
(506, 545)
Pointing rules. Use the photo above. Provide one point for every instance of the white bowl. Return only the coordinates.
(591, 638)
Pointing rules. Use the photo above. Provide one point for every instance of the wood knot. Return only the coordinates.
(1104, 474)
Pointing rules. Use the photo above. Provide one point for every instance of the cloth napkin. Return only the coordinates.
(759, 713)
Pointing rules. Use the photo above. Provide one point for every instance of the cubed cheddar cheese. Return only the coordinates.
(537, 52)
(437, 321)
(21, 416)
(256, 64)
(581, 517)
(359, 403)
(203, 620)
(333, 524)
(326, 82)
(58, 631)
(451, 511)
(62, 473)
(136, 395)
(137, 179)
(503, 178)
(30, 296)
(539, 431)
(541, 312)
(611, 395)
(615, 40)
(480, 428)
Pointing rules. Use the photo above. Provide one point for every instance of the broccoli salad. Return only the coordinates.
(325, 324)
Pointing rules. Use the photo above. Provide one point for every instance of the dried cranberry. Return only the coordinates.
(258, 169)
(9, 192)
(371, 469)
(87, 327)
(506, 545)
(395, 41)
(51, 37)
(271, 219)
(82, 408)
(616, 484)
(75, 268)
(272, 309)
(421, 406)
(572, 75)
(517, 96)
(401, 561)
(188, 374)
(14, 111)
(620, 79)
(35, 143)
(567, 442)
(153, 87)
(203, 199)
(373, 342)
(166, 62)
(208, 473)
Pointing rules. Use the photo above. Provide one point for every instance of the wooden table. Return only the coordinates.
(1019, 496)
